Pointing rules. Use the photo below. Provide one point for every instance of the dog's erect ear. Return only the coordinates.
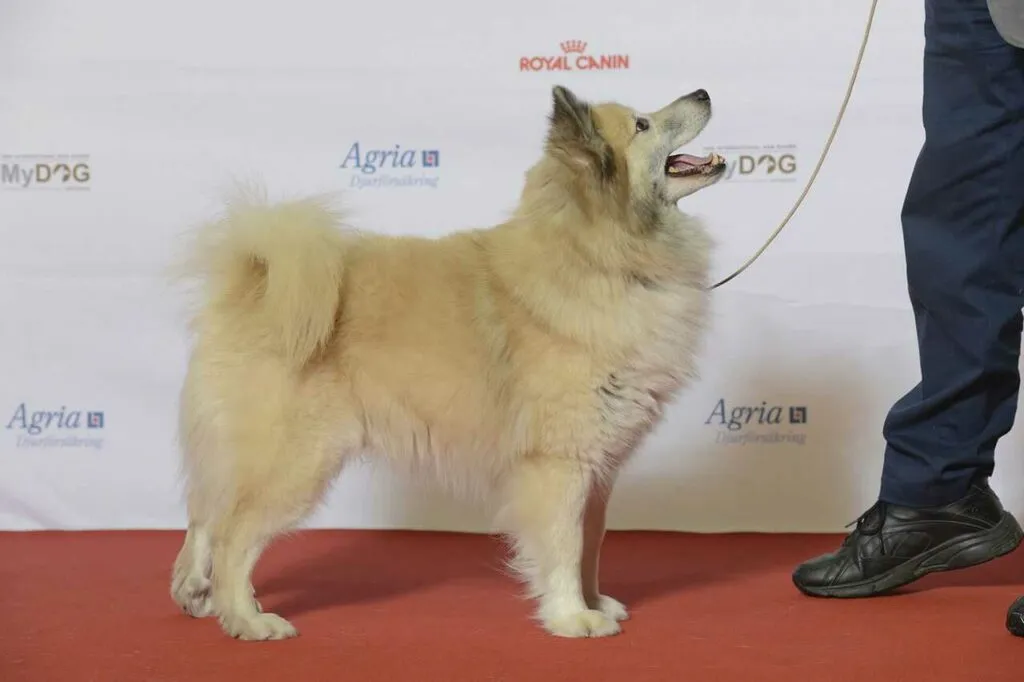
(570, 116)
(572, 131)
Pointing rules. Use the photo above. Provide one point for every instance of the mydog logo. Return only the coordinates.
(758, 163)
(45, 171)
(574, 57)
(764, 423)
(398, 167)
(61, 428)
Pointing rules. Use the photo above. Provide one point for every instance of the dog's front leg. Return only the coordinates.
(593, 538)
(550, 496)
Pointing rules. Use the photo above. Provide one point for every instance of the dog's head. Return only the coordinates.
(617, 149)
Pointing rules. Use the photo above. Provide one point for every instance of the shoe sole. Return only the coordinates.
(956, 554)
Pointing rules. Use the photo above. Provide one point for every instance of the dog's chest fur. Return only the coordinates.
(598, 350)
(631, 396)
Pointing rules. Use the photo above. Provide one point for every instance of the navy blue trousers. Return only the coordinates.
(963, 231)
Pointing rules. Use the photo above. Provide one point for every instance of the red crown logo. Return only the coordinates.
(570, 46)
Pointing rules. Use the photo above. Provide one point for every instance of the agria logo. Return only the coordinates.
(398, 167)
(61, 428)
(764, 424)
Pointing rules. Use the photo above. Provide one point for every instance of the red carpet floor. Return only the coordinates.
(393, 606)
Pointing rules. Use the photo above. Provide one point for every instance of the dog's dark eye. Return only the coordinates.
(642, 124)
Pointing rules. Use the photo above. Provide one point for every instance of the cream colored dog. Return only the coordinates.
(522, 363)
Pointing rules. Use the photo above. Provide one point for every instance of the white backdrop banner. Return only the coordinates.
(121, 122)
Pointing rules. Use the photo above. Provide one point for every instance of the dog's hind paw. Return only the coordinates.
(588, 623)
(192, 594)
(265, 626)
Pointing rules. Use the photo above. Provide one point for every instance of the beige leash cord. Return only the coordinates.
(824, 153)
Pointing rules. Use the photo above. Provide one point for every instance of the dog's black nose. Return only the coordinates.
(701, 95)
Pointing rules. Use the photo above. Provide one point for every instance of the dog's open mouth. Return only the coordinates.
(683, 165)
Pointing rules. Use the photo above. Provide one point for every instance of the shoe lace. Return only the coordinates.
(868, 523)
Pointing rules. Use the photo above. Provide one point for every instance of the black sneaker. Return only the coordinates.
(1015, 618)
(893, 546)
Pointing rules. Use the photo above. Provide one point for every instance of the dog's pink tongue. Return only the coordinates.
(687, 160)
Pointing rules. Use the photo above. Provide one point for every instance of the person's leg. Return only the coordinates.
(963, 223)
(963, 227)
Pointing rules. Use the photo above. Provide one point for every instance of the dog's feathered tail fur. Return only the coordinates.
(276, 267)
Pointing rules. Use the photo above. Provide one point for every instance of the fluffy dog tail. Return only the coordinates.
(274, 272)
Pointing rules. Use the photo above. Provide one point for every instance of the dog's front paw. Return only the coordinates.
(588, 623)
(612, 608)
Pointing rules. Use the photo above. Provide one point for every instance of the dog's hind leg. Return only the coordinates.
(238, 539)
(276, 483)
(190, 579)
(191, 582)
(548, 502)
